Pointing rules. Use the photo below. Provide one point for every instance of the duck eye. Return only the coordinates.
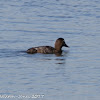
(63, 41)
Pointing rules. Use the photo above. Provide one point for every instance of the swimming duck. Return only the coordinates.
(60, 42)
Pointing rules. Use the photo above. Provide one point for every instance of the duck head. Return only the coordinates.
(60, 42)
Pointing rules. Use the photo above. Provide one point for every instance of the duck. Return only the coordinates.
(60, 42)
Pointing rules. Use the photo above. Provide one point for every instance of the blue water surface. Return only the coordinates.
(75, 75)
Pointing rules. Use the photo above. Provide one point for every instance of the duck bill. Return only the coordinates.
(66, 45)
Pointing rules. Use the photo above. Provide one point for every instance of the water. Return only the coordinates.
(73, 76)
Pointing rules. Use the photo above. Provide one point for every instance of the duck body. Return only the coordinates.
(42, 49)
(48, 49)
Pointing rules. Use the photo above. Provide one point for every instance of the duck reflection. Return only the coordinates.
(61, 57)
(57, 58)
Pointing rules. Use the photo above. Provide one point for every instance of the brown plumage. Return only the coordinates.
(48, 49)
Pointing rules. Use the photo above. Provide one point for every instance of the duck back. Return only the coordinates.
(41, 49)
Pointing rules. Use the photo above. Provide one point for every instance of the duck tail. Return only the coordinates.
(31, 51)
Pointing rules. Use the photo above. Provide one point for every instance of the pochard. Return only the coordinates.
(60, 42)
